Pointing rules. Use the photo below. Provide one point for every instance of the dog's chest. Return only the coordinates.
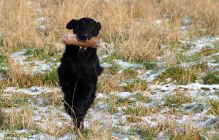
(84, 68)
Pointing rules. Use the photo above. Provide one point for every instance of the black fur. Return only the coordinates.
(79, 71)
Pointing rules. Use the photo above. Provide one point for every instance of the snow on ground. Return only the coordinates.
(127, 65)
(124, 95)
(2, 134)
(34, 66)
(198, 45)
(31, 91)
(151, 75)
(51, 118)
(106, 65)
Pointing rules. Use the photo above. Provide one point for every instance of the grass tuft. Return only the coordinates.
(211, 78)
(140, 111)
(177, 99)
(2, 118)
(214, 107)
(139, 85)
(181, 75)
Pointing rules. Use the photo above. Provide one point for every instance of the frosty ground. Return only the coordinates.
(150, 100)
(175, 96)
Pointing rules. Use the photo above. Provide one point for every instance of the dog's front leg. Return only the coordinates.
(81, 104)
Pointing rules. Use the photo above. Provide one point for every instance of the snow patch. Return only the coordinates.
(68, 137)
(101, 95)
(127, 65)
(34, 67)
(40, 20)
(123, 95)
(106, 65)
(42, 137)
(2, 134)
(186, 21)
(151, 75)
(198, 86)
(198, 45)
(32, 90)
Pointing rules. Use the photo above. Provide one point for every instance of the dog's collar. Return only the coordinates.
(82, 49)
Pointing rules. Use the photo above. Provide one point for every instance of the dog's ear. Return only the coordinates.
(98, 25)
(72, 24)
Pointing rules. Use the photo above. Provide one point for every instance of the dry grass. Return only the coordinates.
(128, 24)
(18, 76)
(187, 131)
(2, 117)
(95, 132)
(109, 84)
(170, 129)
(21, 76)
(177, 98)
(16, 120)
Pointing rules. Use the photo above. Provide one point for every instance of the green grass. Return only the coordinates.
(179, 74)
(209, 51)
(179, 137)
(145, 132)
(114, 102)
(177, 99)
(40, 54)
(18, 120)
(129, 73)
(133, 119)
(125, 102)
(136, 85)
(2, 117)
(13, 133)
(140, 111)
(54, 99)
(51, 77)
(3, 73)
(217, 93)
(184, 58)
(142, 98)
(214, 107)
(211, 78)
(3, 63)
(148, 65)
(16, 100)
(3, 59)
(113, 70)
(112, 107)
(110, 59)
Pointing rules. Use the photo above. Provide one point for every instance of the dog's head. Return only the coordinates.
(84, 28)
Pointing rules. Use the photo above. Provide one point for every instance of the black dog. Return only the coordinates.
(79, 71)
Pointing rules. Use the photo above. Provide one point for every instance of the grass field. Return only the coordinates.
(161, 78)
